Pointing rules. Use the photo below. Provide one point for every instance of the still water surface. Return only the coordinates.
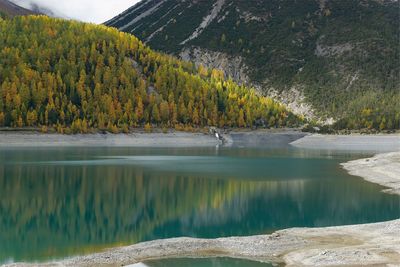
(56, 203)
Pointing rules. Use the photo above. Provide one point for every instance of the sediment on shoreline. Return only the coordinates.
(369, 244)
(175, 139)
(259, 138)
(267, 138)
(375, 143)
(383, 169)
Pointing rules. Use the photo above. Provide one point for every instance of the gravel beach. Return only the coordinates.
(375, 143)
(370, 244)
(266, 138)
(383, 169)
(175, 139)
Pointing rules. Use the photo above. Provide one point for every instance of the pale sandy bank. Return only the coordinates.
(383, 169)
(374, 143)
(175, 139)
(267, 138)
(370, 244)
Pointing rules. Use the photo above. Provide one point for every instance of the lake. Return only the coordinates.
(60, 202)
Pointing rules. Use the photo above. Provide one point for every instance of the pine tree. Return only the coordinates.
(155, 114)
(88, 76)
(241, 122)
(164, 111)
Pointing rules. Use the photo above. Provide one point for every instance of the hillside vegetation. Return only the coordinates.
(76, 77)
(342, 55)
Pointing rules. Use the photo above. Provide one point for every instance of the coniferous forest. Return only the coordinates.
(343, 55)
(76, 78)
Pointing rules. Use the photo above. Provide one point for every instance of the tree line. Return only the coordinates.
(77, 77)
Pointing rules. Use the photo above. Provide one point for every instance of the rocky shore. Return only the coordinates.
(171, 139)
(377, 143)
(383, 169)
(370, 244)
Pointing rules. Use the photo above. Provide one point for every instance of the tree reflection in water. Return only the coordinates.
(51, 210)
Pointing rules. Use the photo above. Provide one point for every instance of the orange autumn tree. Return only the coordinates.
(76, 77)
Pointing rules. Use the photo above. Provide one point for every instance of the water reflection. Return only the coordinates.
(56, 203)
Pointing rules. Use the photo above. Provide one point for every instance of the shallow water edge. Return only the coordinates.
(369, 244)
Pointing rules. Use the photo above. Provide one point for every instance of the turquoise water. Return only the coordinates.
(62, 202)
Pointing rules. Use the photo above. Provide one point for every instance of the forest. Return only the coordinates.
(77, 78)
(342, 55)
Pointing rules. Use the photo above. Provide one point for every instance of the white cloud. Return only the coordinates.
(97, 11)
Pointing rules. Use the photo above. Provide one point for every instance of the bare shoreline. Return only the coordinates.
(174, 139)
(271, 138)
(368, 244)
(277, 137)
(383, 169)
(377, 143)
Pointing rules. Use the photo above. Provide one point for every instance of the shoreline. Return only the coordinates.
(240, 138)
(377, 143)
(369, 244)
(276, 137)
(382, 169)
(172, 139)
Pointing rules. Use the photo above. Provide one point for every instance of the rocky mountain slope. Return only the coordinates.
(8, 8)
(325, 58)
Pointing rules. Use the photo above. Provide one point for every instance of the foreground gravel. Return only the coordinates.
(370, 244)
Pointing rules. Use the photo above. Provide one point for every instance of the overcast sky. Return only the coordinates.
(97, 11)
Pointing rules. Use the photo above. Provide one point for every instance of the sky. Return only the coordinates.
(97, 11)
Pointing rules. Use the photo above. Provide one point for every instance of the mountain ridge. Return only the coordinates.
(11, 9)
(340, 57)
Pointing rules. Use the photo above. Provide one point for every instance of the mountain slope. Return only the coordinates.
(10, 9)
(77, 77)
(39, 8)
(342, 57)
